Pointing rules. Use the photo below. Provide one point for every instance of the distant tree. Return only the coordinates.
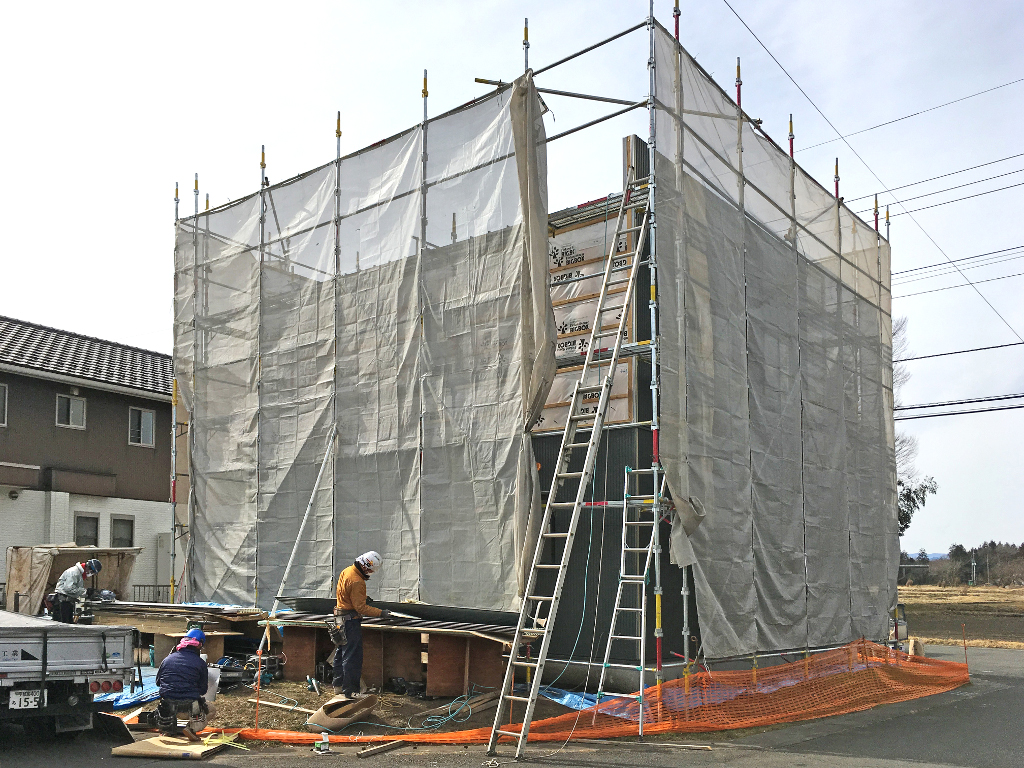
(911, 493)
(911, 496)
(958, 552)
(922, 557)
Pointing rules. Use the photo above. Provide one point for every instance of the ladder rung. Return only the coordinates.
(635, 549)
(539, 598)
(610, 695)
(569, 474)
(531, 664)
(639, 522)
(547, 566)
(562, 504)
(634, 667)
(523, 699)
(641, 471)
(593, 388)
(602, 334)
(533, 631)
(612, 308)
(640, 497)
(553, 535)
(571, 446)
(630, 229)
(618, 281)
(513, 734)
(633, 579)
(631, 610)
(634, 638)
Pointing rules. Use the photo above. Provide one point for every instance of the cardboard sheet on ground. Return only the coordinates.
(172, 747)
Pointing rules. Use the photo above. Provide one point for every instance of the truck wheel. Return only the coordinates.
(45, 729)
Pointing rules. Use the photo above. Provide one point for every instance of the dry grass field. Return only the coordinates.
(993, 617)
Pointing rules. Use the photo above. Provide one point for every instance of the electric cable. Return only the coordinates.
(961, 285)
(954, 200)
(964, 258)
(959, 352)
(950, 189)
(940, 176)
(968, 401)
(988, 263)
(868, 167)
(905, 117)
(959, 413)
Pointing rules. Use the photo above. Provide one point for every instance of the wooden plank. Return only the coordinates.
(169, 747)
(387, 746)
(275, 705)
(397, 656)
(303, 647)
(445, 660)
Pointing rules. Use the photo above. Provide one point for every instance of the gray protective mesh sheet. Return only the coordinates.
(776, 381)
(433, 355)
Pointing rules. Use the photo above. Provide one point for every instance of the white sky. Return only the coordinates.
(106, 106)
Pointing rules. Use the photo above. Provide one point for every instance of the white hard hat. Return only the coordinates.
(370, 560)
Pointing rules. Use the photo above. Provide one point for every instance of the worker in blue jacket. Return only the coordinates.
(183, 679)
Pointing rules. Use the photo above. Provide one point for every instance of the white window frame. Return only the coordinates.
(56, 416)
(141, 410)
(3, 404)
(91, 516)
(113, 519)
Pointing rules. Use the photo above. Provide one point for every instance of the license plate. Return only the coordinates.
(24, 700)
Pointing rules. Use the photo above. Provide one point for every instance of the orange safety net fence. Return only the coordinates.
(854, 677)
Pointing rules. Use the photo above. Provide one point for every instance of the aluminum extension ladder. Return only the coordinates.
(538, 611)
(639, 524)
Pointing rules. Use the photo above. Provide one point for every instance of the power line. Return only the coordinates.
(940, 176)
(962, 285)
(955, 200)
(958, 352)
(965, 258)
(905, 117)
(870, 170)
(987, 263)
(969, 401)
(959, 413)
(948, 189)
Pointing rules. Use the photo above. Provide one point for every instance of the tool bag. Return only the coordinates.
(336, 629)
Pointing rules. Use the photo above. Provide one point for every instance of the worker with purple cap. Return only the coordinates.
(183, 679)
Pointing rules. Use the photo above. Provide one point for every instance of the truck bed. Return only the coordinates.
(68, 650)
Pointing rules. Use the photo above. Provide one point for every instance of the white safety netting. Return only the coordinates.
(776, 381)
(420, 325)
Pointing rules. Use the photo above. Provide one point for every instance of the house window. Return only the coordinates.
(140, 427)
(3, 405)
(87, 531)
(70, 412)
(122, 532)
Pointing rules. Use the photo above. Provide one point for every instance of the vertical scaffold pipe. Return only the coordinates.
(791, 135)
(174, 476)
(337, 286)
(259, 367)
(526, 45)
(876, 212)
(174, 429)
(419, 298)
(653, 305)
(675, 16)
(839, 217)
(887, 225)
(197, 352)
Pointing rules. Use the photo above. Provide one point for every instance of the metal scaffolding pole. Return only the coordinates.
(174, 434)
(259, 366)
(337, 278)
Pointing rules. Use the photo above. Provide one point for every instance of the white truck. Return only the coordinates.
(49, 672)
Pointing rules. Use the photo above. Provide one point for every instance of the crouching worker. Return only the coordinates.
(351, 607)
(183, 679)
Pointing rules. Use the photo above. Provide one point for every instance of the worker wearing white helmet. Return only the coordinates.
(349, 612)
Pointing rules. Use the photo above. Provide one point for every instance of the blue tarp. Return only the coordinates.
(126, 699)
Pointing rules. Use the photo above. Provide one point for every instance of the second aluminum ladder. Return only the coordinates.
(537, 614)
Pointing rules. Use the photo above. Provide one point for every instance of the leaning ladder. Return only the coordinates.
(639, 524)
(537, 614)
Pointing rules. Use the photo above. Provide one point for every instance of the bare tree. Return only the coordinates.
(912, 494)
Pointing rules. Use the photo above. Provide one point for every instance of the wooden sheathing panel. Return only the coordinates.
(446, 665)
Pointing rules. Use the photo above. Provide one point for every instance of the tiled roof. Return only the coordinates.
(50, 350)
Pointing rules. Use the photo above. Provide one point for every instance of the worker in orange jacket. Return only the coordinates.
(349, 612)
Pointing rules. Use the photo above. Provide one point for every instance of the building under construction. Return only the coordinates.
(405, 350)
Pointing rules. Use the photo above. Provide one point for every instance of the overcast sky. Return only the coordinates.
(107, 105)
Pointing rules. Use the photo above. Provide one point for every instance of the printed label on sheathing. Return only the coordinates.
(577, 319)
(554, 417)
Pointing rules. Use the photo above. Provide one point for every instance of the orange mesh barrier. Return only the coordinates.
(855, 677)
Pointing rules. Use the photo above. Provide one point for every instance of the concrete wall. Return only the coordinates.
(48, 517)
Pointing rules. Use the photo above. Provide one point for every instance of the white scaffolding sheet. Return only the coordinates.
(776, 380)
(433, 353)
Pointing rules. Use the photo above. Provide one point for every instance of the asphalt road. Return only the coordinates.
(978, 725)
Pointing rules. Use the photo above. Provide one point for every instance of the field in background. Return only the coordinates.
(992, 616)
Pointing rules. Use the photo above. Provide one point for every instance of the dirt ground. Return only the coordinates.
(392, 715)
(993, 617)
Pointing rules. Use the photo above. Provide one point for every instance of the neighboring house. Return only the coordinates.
(85, 449)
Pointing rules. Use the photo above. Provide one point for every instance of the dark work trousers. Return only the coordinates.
(348, 661)
(64, 609)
